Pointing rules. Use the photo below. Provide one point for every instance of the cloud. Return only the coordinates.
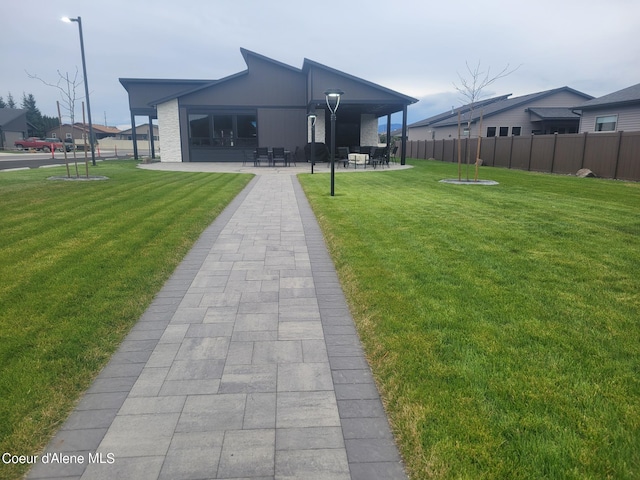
(416, 48)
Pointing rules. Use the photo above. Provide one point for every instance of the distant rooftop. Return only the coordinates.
(621, 97)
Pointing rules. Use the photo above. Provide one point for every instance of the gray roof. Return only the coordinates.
(453, 113)
(508, 104)
(307, 64)
(492, 106)
(554, 113)
(627, 95)
(10, 114)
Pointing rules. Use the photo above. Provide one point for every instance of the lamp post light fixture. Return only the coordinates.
(312, 117)
(86, 85)
(332, 96)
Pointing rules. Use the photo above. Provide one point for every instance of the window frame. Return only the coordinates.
(602, 123)
(223, 128)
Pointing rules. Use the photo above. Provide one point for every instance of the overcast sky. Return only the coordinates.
(416, 47)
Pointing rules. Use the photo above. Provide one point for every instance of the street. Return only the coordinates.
(12, 161)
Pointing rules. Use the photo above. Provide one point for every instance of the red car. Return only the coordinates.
(46, 145)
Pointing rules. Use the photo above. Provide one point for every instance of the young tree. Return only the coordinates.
(2, 104)
(471, 88)
(66, 85)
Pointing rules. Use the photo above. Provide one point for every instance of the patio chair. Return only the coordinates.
(343, 156)
(262, 153)
(394, 150)
(277, 155)
(380, 156)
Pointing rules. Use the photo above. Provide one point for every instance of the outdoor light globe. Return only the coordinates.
(333, 95)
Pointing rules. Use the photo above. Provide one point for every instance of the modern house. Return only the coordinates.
(13, 126)
(617, 111)
(539, 113)
(266, 105)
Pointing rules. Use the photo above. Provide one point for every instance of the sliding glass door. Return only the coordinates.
(223, 130)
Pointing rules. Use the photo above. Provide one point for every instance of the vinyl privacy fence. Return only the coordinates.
(608, 155)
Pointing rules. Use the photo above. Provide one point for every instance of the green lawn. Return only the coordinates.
(79, 263)
(502, 322)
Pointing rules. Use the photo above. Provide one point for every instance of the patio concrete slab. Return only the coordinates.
(246, 365)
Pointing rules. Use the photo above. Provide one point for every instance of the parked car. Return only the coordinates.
(46, 144)
(63, 144)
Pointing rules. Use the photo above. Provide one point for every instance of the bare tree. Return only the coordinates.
(471, 88)
(67, 87)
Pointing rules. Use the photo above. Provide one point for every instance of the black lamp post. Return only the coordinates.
(333, 101)
(312, 117)
(86, 86)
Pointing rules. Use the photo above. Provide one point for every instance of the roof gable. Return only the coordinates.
(253, 61)
(266, 82)
(323, 77)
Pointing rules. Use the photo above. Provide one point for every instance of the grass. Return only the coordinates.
(79, 263)
(502, 322)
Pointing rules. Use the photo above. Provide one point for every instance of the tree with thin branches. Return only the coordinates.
(471, 88)
(67, 86)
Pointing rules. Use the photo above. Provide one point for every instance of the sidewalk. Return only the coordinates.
(246, 365)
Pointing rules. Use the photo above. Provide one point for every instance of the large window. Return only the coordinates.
(223, 130)
(200, 130)
(247, 130)
(606, 123)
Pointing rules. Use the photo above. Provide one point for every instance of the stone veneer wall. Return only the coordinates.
(169, 129)
(368, 130)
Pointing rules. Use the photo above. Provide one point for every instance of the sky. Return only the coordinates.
(416, 47)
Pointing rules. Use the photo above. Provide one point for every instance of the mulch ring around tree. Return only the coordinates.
(80, 179)
(455, 181)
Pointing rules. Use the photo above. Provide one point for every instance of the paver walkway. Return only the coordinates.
(246, 365)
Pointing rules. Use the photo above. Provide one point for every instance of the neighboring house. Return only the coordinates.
(266, 105)
(13, 126)
(77, 130)
(142, 133)
(537, 113)
(618, 111)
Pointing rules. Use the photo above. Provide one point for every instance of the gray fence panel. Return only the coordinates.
(569, 153)
(628, 167)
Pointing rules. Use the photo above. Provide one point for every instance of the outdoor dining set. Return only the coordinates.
(362, 156)
(272, 156)
(357, 156)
